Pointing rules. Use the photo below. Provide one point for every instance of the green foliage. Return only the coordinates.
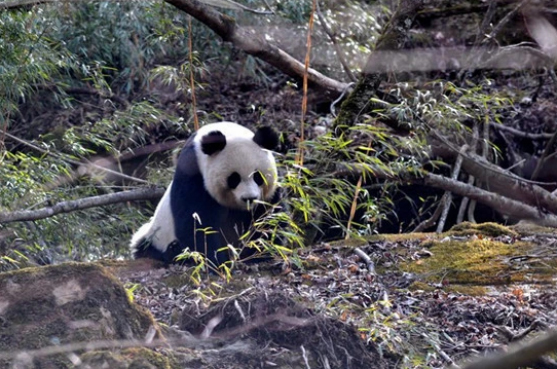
(277, 233)
(126, 38)
(27, 60)
(111, 46)
(116, 49)
(62, 171)
(31, 182)
(323, 192)
(297, 11)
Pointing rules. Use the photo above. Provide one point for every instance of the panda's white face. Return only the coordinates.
(239, 173)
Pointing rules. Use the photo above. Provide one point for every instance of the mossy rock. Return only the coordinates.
(528, 228)
(487, 229)
(477, 262)
(65, 304)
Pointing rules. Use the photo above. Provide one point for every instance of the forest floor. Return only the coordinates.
(414, 300)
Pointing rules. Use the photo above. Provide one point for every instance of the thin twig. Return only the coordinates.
(304, 355)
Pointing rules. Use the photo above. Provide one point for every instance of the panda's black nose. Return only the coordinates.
(249, 198)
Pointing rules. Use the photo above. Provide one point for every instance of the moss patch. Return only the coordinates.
(388, 237)
(528, 228)
(476, 262)
(486, 229)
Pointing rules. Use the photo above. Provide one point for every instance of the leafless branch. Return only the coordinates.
(509, 184)
(502, 204)
(518, 133)
(447, 198)
(81, 204)
(471, 180)
(255, 44)
(504, 200)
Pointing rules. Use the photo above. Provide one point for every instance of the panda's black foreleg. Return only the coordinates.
(146, 249)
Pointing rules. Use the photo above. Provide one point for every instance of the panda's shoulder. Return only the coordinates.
(188, 162)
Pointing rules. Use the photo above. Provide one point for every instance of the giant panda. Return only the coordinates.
(223, 175)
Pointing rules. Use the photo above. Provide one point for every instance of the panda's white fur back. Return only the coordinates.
(160, 228)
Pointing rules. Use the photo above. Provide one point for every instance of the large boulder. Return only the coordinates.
(48, 315)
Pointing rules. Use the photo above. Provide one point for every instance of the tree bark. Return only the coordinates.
(256, 45)
(81, 204)
(394, 37)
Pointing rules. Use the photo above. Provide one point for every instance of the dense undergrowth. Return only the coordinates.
(89, 84)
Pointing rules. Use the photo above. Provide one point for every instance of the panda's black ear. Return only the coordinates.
(213, 142)
(267, 138)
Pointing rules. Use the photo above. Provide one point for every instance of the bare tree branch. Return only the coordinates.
(255, 44)
(81, 204)
(520, 355)
(508, 184)
(448, 196)
(518, 133)
(498, 180)
(502, 204)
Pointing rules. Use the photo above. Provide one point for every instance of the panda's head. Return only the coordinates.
(237, 165)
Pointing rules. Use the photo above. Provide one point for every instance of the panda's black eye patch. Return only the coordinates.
(233, 180)
(258, 178)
